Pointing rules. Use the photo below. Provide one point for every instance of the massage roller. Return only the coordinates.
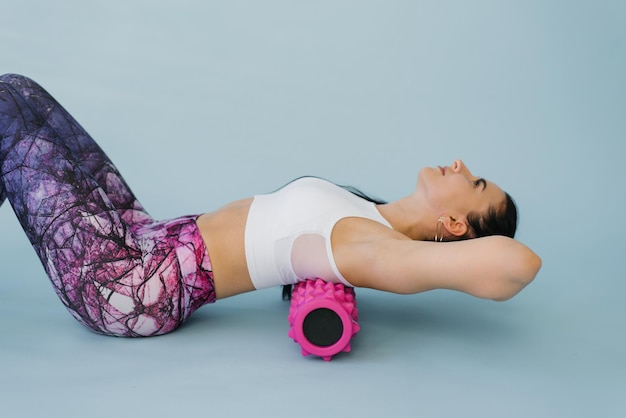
(323, 317)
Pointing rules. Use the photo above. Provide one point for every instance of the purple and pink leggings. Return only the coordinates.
(118, 271)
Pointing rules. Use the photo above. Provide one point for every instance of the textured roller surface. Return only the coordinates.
(323, 318)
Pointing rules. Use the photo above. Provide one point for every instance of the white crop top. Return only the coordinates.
(288, 232)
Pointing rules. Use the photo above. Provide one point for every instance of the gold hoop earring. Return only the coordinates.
(439, 231)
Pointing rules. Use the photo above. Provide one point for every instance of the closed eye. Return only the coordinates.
(479, 182)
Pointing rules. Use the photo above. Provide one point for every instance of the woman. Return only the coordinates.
(119, 272)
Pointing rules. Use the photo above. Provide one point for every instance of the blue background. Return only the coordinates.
(202, 102)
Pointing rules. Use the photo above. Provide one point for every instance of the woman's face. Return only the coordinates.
(454, 191)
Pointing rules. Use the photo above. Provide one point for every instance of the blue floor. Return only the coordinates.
(200, 103)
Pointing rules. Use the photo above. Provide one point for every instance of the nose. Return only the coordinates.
(459, 167)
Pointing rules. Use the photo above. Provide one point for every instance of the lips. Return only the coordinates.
(443, 170)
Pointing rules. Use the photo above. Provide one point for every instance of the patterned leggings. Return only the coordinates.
(116, 270)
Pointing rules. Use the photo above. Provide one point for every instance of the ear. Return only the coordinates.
(455, 225)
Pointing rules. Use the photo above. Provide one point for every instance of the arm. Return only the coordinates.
(494, 267)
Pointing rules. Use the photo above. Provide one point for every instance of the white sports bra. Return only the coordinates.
(287, 237)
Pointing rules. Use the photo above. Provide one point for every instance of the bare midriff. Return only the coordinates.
(223, 232)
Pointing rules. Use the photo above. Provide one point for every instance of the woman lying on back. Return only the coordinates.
(120, 272)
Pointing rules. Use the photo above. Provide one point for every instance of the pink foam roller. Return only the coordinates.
(323, 317)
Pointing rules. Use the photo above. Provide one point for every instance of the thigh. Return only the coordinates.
(80, 144)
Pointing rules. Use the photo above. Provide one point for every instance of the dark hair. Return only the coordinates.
(497, 221)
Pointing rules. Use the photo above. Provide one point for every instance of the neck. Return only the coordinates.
(410, 218)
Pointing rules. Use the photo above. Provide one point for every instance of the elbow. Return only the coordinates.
(521, 278)
(537, 265)
(531, 266)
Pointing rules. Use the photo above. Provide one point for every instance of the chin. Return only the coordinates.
(425, 172)
(424, 176)
(428, 173)
(429, 181)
